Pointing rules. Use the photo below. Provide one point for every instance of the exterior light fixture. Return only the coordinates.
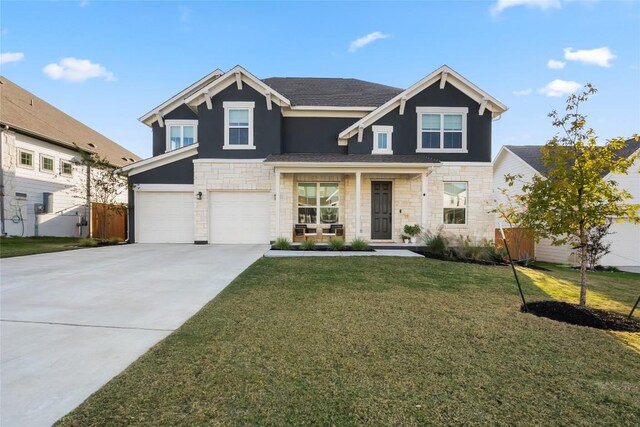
(199, 195)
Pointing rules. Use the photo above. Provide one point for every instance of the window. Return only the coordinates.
(238, 125)
(321, 198)
(455, 203)
(25, 158)
(46, 163)
(66, 168)
(382, 139)
(442, 129)
(181, 133)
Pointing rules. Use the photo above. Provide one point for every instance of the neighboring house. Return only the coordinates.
(237, 159)
(43, 183)
(526, 160)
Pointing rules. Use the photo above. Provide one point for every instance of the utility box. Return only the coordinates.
(47, 201)
(38, 208)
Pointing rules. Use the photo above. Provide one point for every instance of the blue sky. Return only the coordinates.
(128, 57)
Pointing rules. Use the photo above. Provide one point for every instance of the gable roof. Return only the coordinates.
(531, 154)
(178, 99)
(332, 92)
(28, 114)
(443, 75)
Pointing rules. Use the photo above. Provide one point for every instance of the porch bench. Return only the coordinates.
(301, 232)
(334, 230)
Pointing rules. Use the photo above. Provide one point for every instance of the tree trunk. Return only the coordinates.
(583, 267)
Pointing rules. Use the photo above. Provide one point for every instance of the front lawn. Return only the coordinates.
(373, 341)
(16, 246)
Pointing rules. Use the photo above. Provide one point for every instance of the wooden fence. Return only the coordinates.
(115, 223)
(526, 247)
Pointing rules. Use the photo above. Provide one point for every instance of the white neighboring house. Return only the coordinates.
(41, 152)
(526, 160)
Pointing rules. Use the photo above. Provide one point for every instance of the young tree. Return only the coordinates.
(574, 197)
(597, 247)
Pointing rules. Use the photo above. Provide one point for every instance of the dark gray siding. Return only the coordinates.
(266, 126)
(313, 134)
(178, 172)
(405, 126)
(160, 133)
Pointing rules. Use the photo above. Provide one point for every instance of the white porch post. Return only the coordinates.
(277, 204)
(358, 186)
(423, 217)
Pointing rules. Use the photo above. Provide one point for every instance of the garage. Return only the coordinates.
(164, 217)
(239, 217)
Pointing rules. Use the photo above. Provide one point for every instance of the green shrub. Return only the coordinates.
(308, 245)
(87, 243)
(359, 245)
(412, 230)
(438, 244)
(282, 243)
(336, 244)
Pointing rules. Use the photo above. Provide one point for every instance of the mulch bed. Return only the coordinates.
(427, 254)
(582, 316)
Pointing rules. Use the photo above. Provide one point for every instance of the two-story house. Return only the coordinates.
(237, 159)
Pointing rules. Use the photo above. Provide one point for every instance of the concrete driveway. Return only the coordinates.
(71, 321)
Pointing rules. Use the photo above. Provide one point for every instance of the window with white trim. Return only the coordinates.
(46, 163)
(318, 203)
(442, 129)
(382, 139)
(238, 125)
(25, 158)
(181, 133)
(455, 203)
(66, 168)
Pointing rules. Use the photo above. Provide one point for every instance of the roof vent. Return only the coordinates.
(31, 102)
(131, 159)
(124, 158)
(92, 145)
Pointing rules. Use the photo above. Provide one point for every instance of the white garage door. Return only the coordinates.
(239, 217)
(164, 217)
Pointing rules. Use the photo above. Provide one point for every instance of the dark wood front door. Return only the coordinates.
(381, 210)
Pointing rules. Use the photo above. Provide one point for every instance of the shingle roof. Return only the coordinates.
(350, 158)
(531, 153)
(25, 112)
(334, 92)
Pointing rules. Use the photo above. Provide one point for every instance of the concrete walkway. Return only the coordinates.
(71, 321)
(375, 252)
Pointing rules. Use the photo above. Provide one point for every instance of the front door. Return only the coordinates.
(381, 210)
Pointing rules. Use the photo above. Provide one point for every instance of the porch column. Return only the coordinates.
(423, 222)
(277, 194)
(358, 186)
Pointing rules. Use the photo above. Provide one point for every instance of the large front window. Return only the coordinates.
(455, 203)
(441, 129)
(318, 203)
(238, 125)
(181, 133)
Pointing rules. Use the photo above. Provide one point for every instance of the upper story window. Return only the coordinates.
(181, 133)
(442, 129)
(46, 163)
(25, 158)
(455, 203)
(66, 168)
(382, 139)
(238, 125)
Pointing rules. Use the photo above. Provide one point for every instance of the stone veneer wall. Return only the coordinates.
(407, 204)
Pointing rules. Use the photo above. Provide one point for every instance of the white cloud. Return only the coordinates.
(523, 92)
(556, 65)
(8, 57)
(560, 88)
(600, 56)
(501, 5)
(77, 70)
(363, 41)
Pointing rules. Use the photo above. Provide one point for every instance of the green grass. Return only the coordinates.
(17, 246)
(373, 341)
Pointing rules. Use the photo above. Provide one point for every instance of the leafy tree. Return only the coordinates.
(574, 197)
(597, 247)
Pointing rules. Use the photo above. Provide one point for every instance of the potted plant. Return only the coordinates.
(412, 231)
(405, 238)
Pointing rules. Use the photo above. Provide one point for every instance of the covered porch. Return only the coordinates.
(350, 200)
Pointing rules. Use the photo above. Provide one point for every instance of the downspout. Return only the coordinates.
(2, 230)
